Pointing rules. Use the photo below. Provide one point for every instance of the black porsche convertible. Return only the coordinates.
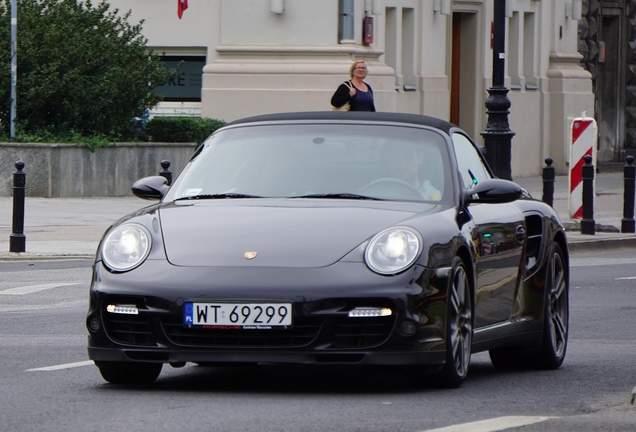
(331, 238)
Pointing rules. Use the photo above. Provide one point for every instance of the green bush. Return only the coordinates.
(70, 137)
(83, 69)
(181, 129)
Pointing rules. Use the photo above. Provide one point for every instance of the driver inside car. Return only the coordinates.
(403, 163)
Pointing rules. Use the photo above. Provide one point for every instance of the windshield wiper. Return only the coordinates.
(217, 196)
(238, 195)
(339, 196)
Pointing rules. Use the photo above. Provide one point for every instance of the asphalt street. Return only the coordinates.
(50, 385)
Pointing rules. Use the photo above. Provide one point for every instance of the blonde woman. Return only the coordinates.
(356, 92)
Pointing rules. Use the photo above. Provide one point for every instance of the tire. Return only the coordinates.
(551, 352)
(129, 373)
(459, 328)
(556, 312)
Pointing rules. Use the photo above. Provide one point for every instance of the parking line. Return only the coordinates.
(62, 366)
(35, 288)
(492, 425)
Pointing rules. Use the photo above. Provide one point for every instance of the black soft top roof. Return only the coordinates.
(350, 115)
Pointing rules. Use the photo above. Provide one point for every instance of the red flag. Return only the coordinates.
(183, 5)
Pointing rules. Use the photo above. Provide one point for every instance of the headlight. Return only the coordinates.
(393, 250)
(126, 247)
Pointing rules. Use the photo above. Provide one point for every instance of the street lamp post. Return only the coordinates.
(498, 136)
(14, 63)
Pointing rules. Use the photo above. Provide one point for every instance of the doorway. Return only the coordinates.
(465, 94)
(610, 101)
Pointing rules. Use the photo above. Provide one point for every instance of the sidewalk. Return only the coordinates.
(63, 227)
(608, 211)
(70, 228)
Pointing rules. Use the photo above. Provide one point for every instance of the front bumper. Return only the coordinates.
(322, 332)
(432, 358)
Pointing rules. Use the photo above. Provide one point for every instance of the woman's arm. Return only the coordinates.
(341, 96)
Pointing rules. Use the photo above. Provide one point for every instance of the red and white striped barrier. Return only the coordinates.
(583, 136)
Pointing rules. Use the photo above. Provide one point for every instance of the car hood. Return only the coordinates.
(282, 233)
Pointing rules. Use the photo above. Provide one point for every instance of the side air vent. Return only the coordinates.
(534, 244)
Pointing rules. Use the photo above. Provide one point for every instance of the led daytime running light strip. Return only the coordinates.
(366, 312)
(122, 309)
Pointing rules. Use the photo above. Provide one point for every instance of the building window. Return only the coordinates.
(186, 86)
(346, 25)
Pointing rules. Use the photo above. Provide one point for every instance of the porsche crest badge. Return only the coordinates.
(250, 255)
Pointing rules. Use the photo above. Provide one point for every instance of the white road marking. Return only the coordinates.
(63, 305)
(35, 288)
(42, 340)
(492, 425)
(626, 278)
(62, 366)
(600, 261)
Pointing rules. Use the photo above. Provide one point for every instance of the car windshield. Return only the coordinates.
(323, 160)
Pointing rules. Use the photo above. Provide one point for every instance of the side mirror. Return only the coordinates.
(151, 188)
(494, 191)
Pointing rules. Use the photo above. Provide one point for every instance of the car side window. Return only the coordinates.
(470, 165)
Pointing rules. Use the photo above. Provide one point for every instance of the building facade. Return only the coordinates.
(607, 41)
(433, 57)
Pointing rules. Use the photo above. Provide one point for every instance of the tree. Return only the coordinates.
(81, 68)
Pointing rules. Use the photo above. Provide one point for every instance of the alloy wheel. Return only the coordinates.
(558, 305)
(460, 322)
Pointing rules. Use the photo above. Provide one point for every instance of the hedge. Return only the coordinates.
(181, 129)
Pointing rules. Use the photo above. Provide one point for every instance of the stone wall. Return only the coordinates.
(69, 170)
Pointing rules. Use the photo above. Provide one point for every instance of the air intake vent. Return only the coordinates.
(129, 329)
(303, 332)
(362, 332)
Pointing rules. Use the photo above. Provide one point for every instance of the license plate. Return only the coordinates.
(257, 316)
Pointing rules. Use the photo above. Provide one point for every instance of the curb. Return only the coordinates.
(26, 256)
(595, 244)
(576, 226)
(606, 237)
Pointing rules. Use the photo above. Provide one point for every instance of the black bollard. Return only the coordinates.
(165, 172)
(629, 175)
(587, 223)
(17, 240)
(548, 182)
